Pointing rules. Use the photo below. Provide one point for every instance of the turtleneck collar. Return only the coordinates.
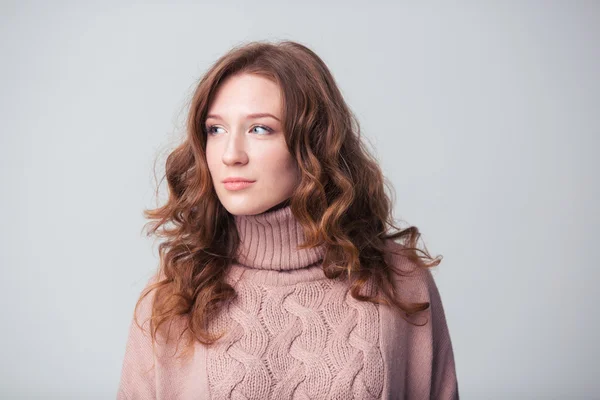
(269, 241)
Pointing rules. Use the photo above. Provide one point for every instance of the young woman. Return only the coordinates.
(278, 277)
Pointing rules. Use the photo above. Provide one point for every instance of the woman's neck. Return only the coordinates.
(283, 204)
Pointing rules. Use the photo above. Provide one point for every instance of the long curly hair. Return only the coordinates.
(341, 200)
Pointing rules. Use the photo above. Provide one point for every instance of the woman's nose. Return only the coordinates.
(234, 151)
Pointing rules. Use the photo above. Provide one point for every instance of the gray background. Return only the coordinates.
(483, 115)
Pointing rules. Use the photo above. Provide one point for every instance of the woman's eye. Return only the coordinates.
(209, 130)
(268, 130)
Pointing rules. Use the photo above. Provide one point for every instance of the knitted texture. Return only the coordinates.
(311, 340)
(307, 339)
(293, 333)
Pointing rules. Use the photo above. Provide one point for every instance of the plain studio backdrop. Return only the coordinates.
(484, 118)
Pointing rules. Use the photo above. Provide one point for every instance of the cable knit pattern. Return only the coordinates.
(306, 338)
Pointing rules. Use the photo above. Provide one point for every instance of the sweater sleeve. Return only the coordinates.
(444, 383)
(138, 372)
(426, 350)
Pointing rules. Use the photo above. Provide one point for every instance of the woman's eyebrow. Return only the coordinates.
(249, 116)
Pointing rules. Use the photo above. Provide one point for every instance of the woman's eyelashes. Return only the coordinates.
(210, 131)
(266, 128)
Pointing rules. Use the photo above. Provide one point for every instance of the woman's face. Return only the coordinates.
(245, 140)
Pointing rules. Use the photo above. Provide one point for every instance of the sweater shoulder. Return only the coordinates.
(413, 282)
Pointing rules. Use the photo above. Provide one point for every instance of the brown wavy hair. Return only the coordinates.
(341, 200)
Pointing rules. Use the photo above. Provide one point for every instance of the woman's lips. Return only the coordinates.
(237, 185)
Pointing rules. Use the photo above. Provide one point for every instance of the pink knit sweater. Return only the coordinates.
(292, 333)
